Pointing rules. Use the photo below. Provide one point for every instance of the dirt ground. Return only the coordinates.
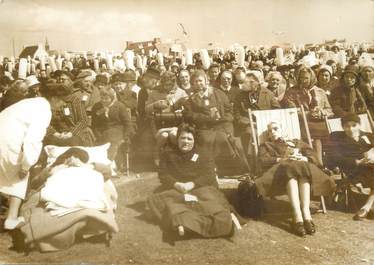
(338, 240)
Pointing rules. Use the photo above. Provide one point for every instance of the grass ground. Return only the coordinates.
(338, 240)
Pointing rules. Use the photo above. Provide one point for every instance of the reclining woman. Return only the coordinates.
(190, 199)
(291, 166)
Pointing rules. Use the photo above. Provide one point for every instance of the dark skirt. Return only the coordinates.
(364, 175)
(209, 217)
(274, 181)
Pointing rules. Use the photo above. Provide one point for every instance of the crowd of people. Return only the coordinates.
(189, 117)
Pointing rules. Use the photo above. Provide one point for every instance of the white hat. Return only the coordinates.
(31, 80)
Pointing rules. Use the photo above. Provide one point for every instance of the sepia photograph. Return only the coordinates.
(187, 132)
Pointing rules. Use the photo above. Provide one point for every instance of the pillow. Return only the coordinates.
(97, 154)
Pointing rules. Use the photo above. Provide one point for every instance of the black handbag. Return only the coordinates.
(250, 202)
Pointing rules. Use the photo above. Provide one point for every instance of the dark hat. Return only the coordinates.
(153, 73)
(350, 117)
(284, 67)
(84, 74)
(130, 75)
(117, 77)
(59, 73)
(102, 79)
(53, 89)
(351, 69)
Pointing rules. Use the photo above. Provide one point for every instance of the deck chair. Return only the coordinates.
(335, 125)
(290, 124)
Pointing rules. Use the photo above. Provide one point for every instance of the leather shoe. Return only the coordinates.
(370, 215)
(310, 227)
(360, 215)
(298, 229)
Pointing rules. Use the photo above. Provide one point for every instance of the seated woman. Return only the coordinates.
(353, 152)
(291, 167)
(111, 122)
(191, 199)
(315, 102)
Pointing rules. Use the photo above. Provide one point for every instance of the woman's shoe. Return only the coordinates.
(11, 224)
(310, 227)
(298, 229)
(360, 215)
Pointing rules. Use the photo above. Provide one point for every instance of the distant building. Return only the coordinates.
(143, 47)
(36, 51)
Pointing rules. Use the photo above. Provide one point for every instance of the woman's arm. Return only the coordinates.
(266, 158)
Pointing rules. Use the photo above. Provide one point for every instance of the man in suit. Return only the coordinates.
(353, 152)
(255, 96)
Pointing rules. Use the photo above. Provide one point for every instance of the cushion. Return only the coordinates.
(97, 154)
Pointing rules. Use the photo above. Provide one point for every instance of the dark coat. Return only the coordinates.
(277, 174)
(113, 127)
(210, 216)
(345, 151)
(196, 111)
(71, 117)
(344, 101)
(265, 100)
(232, 93)
(176, 166)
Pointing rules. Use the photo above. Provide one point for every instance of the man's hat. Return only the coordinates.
(102, 79)
(129, 75)
(118, 77)
(153, 73)
(32, 81)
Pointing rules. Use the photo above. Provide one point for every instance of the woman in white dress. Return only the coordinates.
(23, 126)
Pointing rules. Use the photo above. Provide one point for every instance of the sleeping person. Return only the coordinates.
(72, 182)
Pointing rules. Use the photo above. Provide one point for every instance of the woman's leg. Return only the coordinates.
(369, 203)
(304, 189)
(317, 146)
(14, 205)
(293, 195)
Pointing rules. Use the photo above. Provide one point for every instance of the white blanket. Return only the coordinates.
(76, 187)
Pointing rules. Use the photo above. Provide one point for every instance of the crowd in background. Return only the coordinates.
(136, 102)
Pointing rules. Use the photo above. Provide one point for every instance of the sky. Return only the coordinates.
(103, 25)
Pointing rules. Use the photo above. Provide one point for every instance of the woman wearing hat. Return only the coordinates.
(17, 91)
(367, 86)
(325, 79)
(23, 127)
(347, 98)
(353, 152)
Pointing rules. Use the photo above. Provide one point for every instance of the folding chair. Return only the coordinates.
(335, 125)
(289, 119)
(366, 121)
